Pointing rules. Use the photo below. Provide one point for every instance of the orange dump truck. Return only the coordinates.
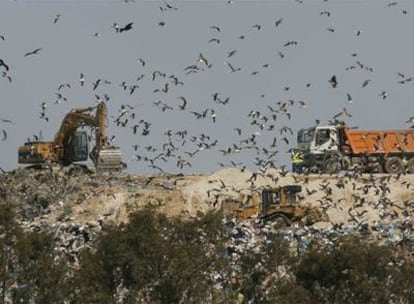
(332, 148)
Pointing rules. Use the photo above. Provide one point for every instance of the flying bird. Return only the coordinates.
(238, 130)
(2, 63)
(214, 40)
(82, 79)
(214, 27)
(278, 22)
(96, 84)
(141, 61)
(400, 75)
(348, 98)
(165, 89)
(4, 137)
(365, 83)
(116, 27)
(231, 53)
(291, 42)
(168, 6)
(233, 69)
(63, 85)
(182, 107)
(302, 104)
(56, 19)
(35, 52)
(4, 75)
(202, 59)
(5, 120)
(344, 112)
(156, 74)
(383, 94)
(126, 27)
(333, 81)
(410, 120)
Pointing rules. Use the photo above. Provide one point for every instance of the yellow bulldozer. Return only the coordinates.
(72, 145)
(280, 205)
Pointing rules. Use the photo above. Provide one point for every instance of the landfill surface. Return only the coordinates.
(74, 203)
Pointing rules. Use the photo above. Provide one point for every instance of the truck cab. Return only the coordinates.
(320, 146)
(318, 140)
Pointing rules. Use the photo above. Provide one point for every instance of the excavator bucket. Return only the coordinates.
(107, 159)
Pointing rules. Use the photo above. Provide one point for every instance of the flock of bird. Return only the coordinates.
(181, 146)
(371, 194)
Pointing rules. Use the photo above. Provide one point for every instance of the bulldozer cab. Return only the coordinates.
(282, 199)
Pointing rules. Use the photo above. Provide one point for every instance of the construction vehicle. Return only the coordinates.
(280, 205)
(71, 145)
(329, 149)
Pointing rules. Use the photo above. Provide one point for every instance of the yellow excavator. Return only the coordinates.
(280, 206)
(71, 145)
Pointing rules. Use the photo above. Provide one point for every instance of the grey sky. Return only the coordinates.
(69, 47)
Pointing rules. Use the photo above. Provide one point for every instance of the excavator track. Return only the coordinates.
(108, 159)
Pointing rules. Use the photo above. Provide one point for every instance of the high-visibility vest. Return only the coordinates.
(296, 158)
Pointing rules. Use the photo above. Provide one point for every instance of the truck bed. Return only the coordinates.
(381, 141)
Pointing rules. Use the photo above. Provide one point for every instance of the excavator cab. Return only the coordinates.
(81, 146)
(76, 148)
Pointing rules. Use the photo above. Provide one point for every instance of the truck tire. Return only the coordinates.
(331, 165)
(410, 165)
(393, 165)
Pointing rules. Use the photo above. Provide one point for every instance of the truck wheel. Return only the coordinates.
(410, 165)
(393, 165)
(331, 165)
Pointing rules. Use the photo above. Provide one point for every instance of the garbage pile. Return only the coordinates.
(74, 204)
(252, 234)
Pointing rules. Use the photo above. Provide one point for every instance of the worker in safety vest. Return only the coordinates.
(297, 161)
